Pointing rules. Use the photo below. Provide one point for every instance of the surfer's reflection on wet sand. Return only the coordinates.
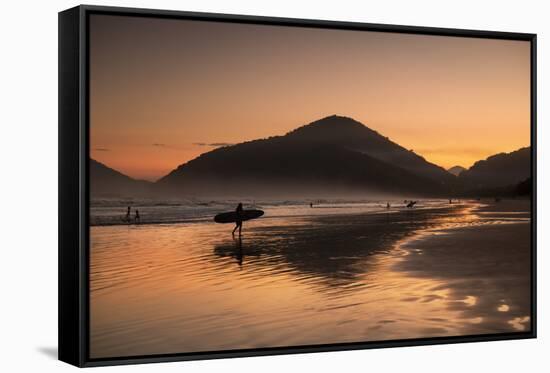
(330, 247)
(236, 250)
(239, 250)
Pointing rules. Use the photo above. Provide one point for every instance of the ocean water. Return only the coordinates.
(113, 211)
(298, 276)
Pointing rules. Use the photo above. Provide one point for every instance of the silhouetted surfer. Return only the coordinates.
(411, 204)
(137, 219)
(128, 215)
(238, 220)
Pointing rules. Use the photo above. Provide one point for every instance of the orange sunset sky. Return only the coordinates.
(164, 91)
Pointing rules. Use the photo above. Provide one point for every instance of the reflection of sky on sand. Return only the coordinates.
(520, 323)
(288, 281)
(479, 267)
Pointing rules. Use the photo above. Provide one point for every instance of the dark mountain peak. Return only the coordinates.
(336, 120)
(106, 181)
(500, 169)
(353, 135)
(501, 160)
(335, 152)
(334, 125)
(522, 152)
(103, 169)
(456, 170)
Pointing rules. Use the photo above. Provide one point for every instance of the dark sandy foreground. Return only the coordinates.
(487, 267)
(453, 270)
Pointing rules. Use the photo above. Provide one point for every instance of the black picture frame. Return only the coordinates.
(73, 250)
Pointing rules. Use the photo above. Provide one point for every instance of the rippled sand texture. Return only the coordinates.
(307, 280)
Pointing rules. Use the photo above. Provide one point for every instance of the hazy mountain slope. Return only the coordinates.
(107, 182)
(349, 133)
(499, 170)
(328, 156)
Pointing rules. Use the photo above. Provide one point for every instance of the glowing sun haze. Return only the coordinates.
(164, 91)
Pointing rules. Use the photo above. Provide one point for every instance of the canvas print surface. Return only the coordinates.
(261, 186)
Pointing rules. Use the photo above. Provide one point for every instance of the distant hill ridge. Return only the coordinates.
(499, 170)
(105, 181)
(334, 155)
(347, 132)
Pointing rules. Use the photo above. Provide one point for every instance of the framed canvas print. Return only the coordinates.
(239, 186)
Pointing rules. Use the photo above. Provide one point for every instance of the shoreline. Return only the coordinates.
(344, 215)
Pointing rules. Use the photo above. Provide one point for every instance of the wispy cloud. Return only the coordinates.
(102, 150)
(159, 145)
(213, 143)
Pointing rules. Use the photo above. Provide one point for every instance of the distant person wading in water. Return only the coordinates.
(137, 218)
(128, 215)
(238, 220)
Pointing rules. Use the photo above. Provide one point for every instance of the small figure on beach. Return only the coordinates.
(238, 221)
(127, 219)
(311, 204)
(450, 201)
(388, 205)
(411, 204)
(137, 218)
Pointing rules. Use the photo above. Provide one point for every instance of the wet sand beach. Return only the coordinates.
(461, 269)
(486, 267)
